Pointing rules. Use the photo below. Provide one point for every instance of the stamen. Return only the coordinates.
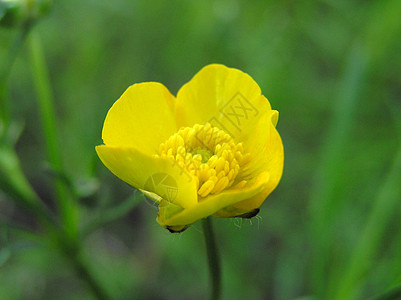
(209, 154)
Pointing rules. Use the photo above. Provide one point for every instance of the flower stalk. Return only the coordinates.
(68, 238)
(16, 186)
(213, 259)
(72, 252)
(392, 294)
(6, 69)
(47, 113)
(13, 181)
(83, 272)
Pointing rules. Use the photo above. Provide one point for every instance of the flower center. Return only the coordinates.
(208, 153)
(205, 154)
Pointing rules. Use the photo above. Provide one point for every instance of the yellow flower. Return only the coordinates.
(212, 150)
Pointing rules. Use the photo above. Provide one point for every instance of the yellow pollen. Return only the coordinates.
(208, 153)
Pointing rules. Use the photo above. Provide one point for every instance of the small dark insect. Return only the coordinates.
(250, 214)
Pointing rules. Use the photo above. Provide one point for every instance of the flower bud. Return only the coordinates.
(16, 12)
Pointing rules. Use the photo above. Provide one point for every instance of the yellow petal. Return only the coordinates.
(267, 155)
(226, 98)
(142, 118)
(213, 203)
(152, 174)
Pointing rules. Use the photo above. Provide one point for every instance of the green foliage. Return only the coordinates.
(16, 12)
(331, 229)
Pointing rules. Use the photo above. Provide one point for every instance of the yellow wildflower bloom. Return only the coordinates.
(212, 150)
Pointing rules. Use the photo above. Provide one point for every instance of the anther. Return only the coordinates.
(209, 154)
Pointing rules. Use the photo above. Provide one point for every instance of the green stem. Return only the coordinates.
(371, 238)
(14, 183)
(12, 179)
(6, 70)
(213, 259)
(111, 214)
(323, 202)
(71, 249)
(41, 79)
(83, 272)
(69, 241)
(392, 294)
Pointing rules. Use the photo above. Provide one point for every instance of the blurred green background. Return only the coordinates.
(331, 230)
